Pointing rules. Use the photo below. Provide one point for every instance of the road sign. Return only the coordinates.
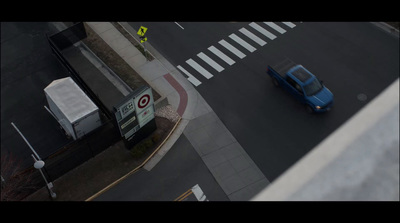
(142, 31)
(143, 99)
(135, 111)
(143, 39)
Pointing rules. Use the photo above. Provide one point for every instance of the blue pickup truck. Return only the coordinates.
(303, 85)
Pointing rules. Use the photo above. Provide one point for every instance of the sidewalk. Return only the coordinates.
(232, 168)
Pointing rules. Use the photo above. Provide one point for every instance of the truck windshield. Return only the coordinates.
(313, 87)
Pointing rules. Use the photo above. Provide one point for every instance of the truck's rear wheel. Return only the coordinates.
(275, 82)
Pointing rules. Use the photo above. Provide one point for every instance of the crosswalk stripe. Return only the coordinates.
(242, 42)
(291, 25)
(210, 61)
(199, 68)
(232, 49)
(276, 27)
(191, 78)
(252, 36)
(262, 30)
(221, 55)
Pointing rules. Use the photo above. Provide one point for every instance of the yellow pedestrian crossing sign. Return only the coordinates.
(143, 39)
(142, 31)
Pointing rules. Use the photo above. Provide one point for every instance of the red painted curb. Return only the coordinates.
(182, 93)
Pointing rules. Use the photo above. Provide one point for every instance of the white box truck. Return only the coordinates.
(76, 113)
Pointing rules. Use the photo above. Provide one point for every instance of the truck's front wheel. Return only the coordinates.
(309, 109)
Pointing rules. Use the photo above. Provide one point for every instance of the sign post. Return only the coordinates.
(143, 39)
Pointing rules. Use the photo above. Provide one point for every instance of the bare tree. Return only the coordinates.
(15, 183)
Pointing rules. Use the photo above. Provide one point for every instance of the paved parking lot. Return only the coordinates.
(27, 67)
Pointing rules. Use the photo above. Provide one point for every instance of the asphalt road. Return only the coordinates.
(356, 61)
(180, 170)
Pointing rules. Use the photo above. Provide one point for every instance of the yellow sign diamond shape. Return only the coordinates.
(143, 39)
(142, 31)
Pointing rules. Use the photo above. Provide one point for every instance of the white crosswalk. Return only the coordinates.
(291, 25)
(262, 30)
(210, 61)
(242, 42)
(276, 27)
(191, 78)
(231, 48)
(221, 55)
(253, 37)
(244, 39)
(199, 68)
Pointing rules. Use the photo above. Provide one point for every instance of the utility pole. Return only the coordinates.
(39, 164)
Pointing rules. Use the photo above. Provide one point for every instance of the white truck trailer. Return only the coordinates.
(74, 110)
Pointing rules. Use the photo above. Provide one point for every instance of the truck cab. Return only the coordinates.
(305, 87)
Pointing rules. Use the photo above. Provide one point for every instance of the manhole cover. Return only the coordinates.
(362, 97)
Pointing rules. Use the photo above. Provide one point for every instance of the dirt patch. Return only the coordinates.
(114, 61)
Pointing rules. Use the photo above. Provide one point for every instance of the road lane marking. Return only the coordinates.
(179, 25)
(232, 49)
(242, 42)
(276, 27)
(262, 30)
(184, 195)
(191, 78)
(210, 61)
(199, 68)
(198, 193)
(253, 37)
(221, 55)
(291, 25)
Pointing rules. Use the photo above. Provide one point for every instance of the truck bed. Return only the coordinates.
(283, 67)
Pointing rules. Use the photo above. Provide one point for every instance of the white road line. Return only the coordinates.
(291, 25)
(252, 36)
(221, 55)
(179, 25)
(198, 193)
(199, 68)
(262, 30)
(242, 42)
(276, 27)
(191, 78)
(232, 49)
(210, 61)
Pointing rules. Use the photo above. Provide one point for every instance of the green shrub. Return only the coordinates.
(139, 149)
(156, 137)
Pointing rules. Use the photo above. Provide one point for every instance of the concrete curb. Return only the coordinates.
(137, 168)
